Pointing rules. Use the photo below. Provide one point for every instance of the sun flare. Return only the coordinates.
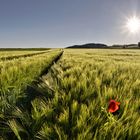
(133, 24)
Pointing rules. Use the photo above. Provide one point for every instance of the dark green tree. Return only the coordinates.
(139, 44)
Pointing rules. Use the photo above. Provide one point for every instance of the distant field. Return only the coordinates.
(69, 100)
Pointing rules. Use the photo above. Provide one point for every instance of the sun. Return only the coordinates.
(133, 24)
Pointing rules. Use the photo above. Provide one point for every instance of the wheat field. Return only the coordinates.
(70, 100)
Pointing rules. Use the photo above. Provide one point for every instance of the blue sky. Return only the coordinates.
(62, 23)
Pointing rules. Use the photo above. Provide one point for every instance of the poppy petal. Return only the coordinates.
(113, 106)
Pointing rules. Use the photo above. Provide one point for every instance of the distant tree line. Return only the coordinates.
(24, 49)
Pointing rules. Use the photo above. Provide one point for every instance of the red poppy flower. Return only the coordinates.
(113, 106)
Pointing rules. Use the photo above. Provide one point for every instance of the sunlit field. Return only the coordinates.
(66, 95)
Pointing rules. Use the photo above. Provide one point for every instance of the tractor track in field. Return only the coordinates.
(20, 56)
(31, 91)
(46, 70)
